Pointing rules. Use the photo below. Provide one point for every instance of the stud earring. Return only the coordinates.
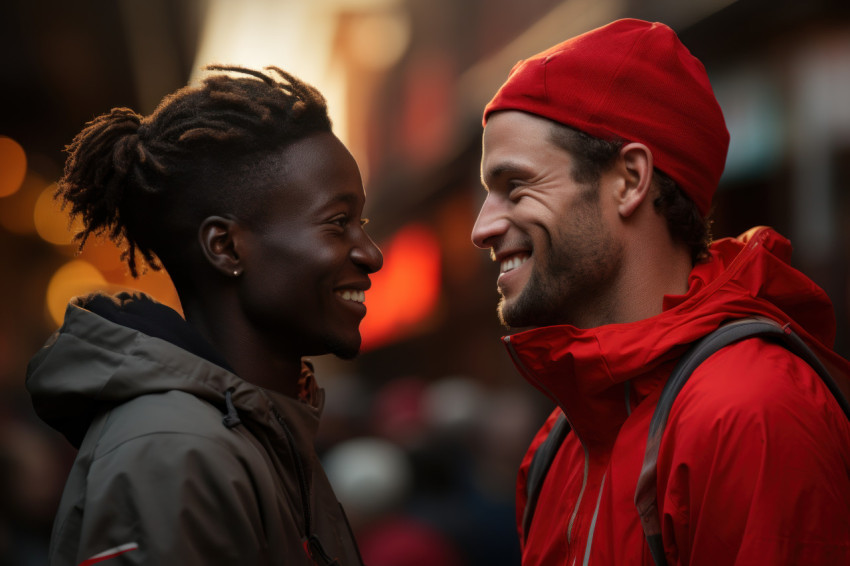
(236, 273)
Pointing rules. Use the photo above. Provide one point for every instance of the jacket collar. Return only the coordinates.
(129, 345)
(595, 375)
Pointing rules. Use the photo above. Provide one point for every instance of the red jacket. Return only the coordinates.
(754, 465)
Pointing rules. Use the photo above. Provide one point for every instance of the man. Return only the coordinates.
(196, 436)
(600, 159)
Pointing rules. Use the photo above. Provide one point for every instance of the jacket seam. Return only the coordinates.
(211, 439)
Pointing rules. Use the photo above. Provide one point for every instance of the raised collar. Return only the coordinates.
(596, 375)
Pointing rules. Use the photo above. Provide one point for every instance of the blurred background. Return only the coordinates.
(423, 433)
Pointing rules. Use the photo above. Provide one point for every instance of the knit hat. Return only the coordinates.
(632, 81)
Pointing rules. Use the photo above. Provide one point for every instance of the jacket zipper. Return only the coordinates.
(299, 472)
(593, 523)
(530, 377)
(580, 494)
(314, 545)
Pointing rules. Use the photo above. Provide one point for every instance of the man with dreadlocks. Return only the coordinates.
(195, 436)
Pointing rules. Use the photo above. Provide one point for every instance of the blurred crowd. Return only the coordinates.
(426, 471)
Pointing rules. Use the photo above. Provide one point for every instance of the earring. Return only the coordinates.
(236, 273)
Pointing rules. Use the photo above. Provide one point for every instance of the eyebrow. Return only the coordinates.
(345, 198)
(502, 169)
(349, 199)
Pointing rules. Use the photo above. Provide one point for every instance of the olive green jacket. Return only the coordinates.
(180, 461)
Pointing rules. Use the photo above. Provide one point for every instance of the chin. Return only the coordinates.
(347, 354)
(346, 349)
(524, 314)
(508, 315)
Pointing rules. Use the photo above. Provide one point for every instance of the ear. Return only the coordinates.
(636, 167)
(218, 238)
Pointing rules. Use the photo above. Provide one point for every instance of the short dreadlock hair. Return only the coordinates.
(146, 181)
(592, 156)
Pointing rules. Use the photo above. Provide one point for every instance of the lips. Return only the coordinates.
(511, 278)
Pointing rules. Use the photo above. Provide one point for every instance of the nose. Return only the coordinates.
(367, 255)
(490, 224)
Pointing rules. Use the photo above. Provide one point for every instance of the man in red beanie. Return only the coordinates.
(600, 159)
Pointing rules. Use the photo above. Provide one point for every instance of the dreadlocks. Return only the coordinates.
(141, 179)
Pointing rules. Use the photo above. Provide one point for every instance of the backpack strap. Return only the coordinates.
(646, 497)
(540, 463)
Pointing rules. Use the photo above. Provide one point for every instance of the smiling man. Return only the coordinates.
(196, 435)
(600, 159)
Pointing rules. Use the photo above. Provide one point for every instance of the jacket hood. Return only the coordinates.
(743, 277)
(111, 349)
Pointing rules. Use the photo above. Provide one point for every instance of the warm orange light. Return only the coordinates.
(405, 292)
(157, 284)
(101, 252)
(72, 279)
(13, 166)
(79, 277)
(51, 222)
(16, 210)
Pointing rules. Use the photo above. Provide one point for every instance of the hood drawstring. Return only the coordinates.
(231, 419)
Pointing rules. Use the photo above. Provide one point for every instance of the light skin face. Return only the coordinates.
(555, 240)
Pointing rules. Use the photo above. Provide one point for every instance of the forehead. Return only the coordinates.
(517, 139)
(311, 173)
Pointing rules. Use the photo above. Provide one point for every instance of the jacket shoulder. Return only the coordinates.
(174, 413)
(754, 378)
(755, 399)
(754, 432)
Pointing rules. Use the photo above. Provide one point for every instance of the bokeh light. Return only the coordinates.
(13, 166)
(75, 278)
(405, 291)
(16, 212)
(157, 284)
(101, 252)
(379, 39)
(101, 256)
(51, 222)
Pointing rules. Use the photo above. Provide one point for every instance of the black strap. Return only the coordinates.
(540, 463)
(646, 498)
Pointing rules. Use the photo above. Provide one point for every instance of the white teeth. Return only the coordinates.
(352, 295)
(513, 262)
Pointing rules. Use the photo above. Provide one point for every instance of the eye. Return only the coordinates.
(513, 190)
(340, 220)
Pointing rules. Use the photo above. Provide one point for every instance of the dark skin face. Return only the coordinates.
(301, 261)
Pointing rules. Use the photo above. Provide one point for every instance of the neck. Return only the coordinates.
(255, 357)
(653, 270)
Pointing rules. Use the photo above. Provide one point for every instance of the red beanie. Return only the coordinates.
(634, 81)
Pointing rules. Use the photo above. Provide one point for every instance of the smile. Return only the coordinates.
(513, 262)
(352, 295)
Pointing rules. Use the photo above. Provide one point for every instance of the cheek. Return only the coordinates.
(276, 275)
(542, 210)
(542, 227)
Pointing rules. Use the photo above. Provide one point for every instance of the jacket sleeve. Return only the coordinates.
(754, 466)
(170, 499)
